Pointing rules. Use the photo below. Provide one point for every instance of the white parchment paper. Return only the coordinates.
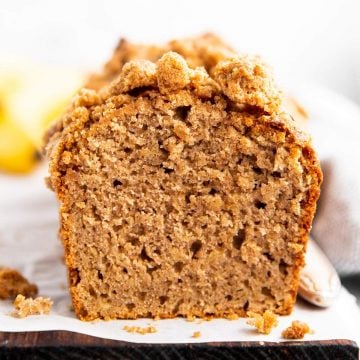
(28, 242)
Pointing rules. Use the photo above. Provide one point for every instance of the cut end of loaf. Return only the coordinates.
(184, 191)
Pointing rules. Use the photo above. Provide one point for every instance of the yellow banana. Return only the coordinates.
(30, 98)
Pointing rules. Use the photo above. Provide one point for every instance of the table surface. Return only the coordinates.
(64, 344)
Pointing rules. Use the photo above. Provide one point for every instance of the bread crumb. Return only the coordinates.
(196, 334)
(172, 72)
(263, 323)
(190, 318)
(232, 317)
(140, 330)
(247, 80)
(296, 330)
(26, 307)
(12, 283)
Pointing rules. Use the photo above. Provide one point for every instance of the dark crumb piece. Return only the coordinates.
(13, 283)
(26, 307)
(263, 323)
(296, 330)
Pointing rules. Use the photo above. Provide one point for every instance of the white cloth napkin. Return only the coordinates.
(335, 127)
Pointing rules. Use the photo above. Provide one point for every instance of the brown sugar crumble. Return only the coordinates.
(12, 283)
(25, 307)
(296, 330)
(140, 330)
(178, 173)
(196, 334)
(264, 323)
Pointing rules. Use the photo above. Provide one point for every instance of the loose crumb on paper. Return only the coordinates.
(232, 317)
(296, 330)
(28, 306)
(191, 318)
(140, 330)
(263, 323)
(12, 283)
(196, 334)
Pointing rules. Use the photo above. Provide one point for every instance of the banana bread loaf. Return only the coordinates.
(184, 188)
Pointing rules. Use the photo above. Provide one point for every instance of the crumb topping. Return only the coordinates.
(247, 80)
(296, 330)
(172, 73)
(263, 323)
(27, 306)
(243, 80)
(136, 74)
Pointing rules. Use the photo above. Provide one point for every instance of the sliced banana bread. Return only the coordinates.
(184, 188)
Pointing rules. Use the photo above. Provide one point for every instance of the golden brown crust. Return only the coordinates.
(238, 89)
(12, 283)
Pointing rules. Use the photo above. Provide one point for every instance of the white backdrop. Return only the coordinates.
(310, 40)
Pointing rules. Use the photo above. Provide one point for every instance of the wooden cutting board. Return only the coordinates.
(61, 345)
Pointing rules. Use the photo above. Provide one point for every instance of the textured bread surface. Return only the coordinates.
(184, 188)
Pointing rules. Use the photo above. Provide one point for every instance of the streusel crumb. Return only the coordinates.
(25, 307)
(263, 323)
(296, 330)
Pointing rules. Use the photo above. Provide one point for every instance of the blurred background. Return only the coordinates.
(47, 48)
(317, 40)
